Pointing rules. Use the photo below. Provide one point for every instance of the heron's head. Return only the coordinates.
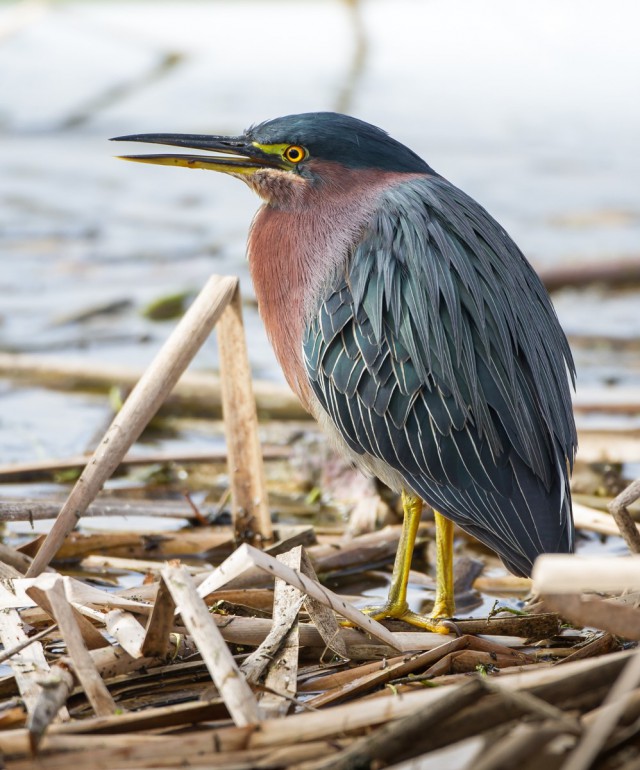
(286, 158)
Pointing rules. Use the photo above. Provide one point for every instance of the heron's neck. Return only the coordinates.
(295, 251)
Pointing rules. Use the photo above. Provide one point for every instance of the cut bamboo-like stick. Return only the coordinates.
(252, 521)
(83, 664)
(126, 629)
(246, 556)
(231, 684)
(560, 574)
(608, 446)
(138, 409)
(518, 746)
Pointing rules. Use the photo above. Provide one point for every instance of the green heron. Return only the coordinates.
(413, 328)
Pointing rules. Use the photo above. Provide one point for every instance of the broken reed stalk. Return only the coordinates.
(138, 409)
(251, 518)
(287, 601)
(281, 679)
(231, 684)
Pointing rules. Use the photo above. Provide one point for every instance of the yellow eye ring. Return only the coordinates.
(294, 153)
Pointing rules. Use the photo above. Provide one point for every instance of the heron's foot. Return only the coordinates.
(435, 623)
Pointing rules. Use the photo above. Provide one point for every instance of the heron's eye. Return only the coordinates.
(294, 153)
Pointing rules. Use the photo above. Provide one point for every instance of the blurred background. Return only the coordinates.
(531, 107)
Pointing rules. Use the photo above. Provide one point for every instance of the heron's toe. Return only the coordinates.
(437, 624)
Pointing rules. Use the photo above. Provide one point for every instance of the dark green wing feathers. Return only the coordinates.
(439, 353)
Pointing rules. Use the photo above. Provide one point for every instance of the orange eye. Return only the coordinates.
(294, 153)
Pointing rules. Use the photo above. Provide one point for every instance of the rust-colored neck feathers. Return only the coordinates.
(298, 241)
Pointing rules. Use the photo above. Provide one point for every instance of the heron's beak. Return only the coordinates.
(241, 156)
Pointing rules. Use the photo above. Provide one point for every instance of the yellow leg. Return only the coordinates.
(444, 606)
(396, 605)
(412, 509)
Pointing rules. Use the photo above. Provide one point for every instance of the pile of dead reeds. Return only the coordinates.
(246, 664)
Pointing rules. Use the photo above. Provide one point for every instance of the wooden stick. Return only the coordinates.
(251, 517)
(54, 692)
(231, 684)
(618, 508)
(83, 665)
(246, 556)
(138, 409)
(608, 446)
(560, 574)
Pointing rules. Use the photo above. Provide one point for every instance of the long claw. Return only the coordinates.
(382, 611)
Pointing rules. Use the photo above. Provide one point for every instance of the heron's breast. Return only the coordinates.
(296, 251)
(283, 259)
